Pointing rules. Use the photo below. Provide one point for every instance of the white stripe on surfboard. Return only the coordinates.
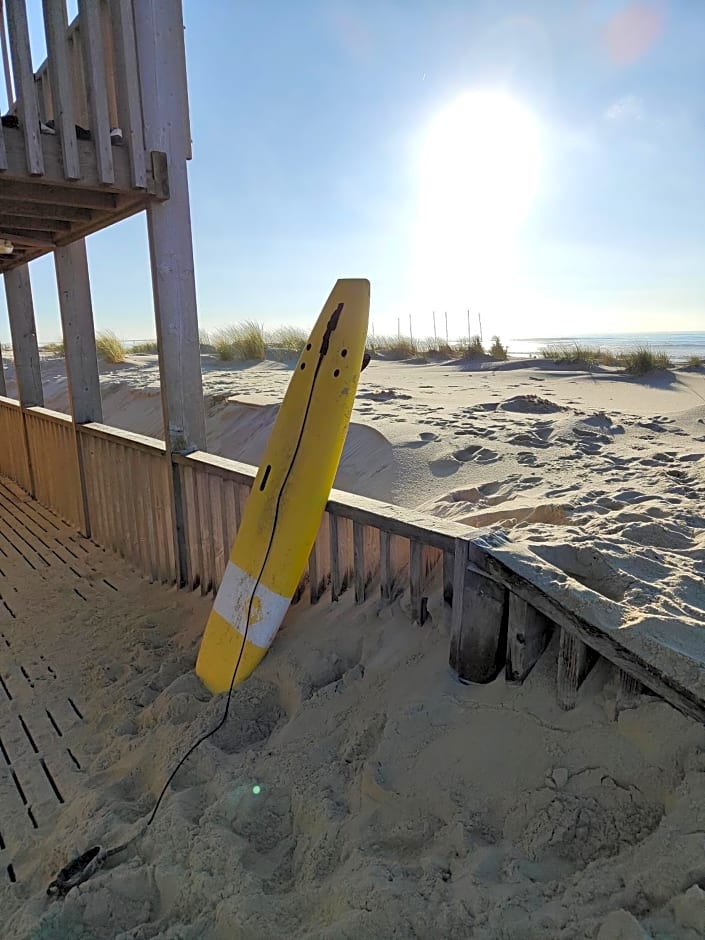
(233, 600)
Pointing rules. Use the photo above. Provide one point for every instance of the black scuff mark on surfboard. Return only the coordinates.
(330, 327)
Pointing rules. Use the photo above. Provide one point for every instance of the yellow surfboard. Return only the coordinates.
(283, 512)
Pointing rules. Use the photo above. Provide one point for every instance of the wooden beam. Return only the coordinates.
(3, 150)
(25, 87)
(25, 350)
(74, 197)
(32, 239)
(91, 39)
(478, 623)
(79, 333)
(528, 633)
(3, 386)
(128, 88)
(162, 68)
(28, 223)
(55, 27)
(54, 169)
(419, 601)
(45, 210)
(642, 665)
(575, 660)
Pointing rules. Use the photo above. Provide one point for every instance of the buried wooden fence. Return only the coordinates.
(174, 519)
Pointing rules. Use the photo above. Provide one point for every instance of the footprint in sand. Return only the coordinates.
(529, 439)
(527, 458)
(477, 453)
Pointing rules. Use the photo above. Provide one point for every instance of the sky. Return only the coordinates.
(540, 162)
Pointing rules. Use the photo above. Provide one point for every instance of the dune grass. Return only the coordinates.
(146, 348)
(110, 347)
(578, 353)
(293, 338)
(643, 360)
(54, 349)
(472, 349)
(242, 341)
(394, 347)
(497, 350)
(694, 362)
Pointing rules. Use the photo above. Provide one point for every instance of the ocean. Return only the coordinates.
(678, 346)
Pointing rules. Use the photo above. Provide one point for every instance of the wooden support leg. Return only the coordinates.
(419, 601)
(628, 685)
(448, 575)
(479, 623)
(528, 633)
(575, 660)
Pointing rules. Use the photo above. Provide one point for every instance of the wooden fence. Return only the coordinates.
(123, 488)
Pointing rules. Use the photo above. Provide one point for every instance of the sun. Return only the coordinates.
(479, 170)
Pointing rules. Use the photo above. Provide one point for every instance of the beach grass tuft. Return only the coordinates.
(293, 338)
(110, 347)
(243, 341)
(643, 360)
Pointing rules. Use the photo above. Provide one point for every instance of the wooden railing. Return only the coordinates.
(53, 456)
(14, 461)
(123, 486)
(89, 78)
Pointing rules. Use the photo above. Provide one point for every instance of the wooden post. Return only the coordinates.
(25, 350)
(25, 87)
(94, 70)
(161, 62)
(56, 27)
(75, 305)
(3, 387)
(76, 308)
(575, 660)
(478, 623)
(528, 633)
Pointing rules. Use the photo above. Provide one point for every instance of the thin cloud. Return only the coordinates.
(625, 110)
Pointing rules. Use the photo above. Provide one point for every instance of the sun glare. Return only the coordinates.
(479, 168)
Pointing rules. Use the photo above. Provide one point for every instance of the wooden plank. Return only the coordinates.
(25, 89)
(230, 514)
(604, 642)
(96, 88)
(23, 331)
(205, 531)
(319, 570)
(161, 533)
(528, 634)
(79, 334)
(575, 660)
(419, 601)
(341, 550)
(89, 183)
(478, 624)
(628, 685)
(221, 549)
(56, 192)
(190, 527)
(126, 78)
(46, 211)
(11, 97)
(55, 28)
(162, 69)
(3, 151)
(448, 576)
(43, 240)
(394, 564)
(359, 562)
(10, 223)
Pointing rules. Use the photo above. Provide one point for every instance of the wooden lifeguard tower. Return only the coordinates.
(168, 507)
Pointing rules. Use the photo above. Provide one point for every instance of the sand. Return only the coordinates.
(394, 802)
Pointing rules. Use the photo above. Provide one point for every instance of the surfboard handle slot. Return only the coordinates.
(265, 477)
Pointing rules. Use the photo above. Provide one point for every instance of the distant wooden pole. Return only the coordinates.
(435, 337)
(25, 350)
(479, 320)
